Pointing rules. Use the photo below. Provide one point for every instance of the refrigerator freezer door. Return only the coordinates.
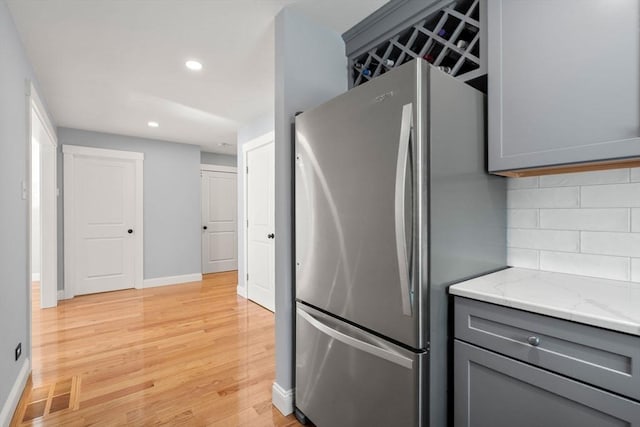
(357, 205)
(347, 377)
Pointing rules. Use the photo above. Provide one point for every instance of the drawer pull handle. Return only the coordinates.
(534, 341)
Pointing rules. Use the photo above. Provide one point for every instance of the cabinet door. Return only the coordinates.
(564, 82)
(493, 390)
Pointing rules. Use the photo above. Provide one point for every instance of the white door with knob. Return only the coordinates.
(260, 232)
(103, 220)
(219, 213)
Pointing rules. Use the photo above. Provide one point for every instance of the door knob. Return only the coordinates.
(271, 236)
(204, 227)
(130, 231)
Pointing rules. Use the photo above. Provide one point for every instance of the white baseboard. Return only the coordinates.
(35, 277)
(14, 395)
(242, 291)
(61, 295)
(282, 399)
(171, 280)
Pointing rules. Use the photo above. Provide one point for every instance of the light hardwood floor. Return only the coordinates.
(192, 354)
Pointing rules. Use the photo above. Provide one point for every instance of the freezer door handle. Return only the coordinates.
(377, 351)
(400, 223)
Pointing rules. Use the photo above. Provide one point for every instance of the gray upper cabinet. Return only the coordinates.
(563, 82)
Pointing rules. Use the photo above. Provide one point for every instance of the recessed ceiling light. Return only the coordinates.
(224, 144)
(193, 65)
(153, 124)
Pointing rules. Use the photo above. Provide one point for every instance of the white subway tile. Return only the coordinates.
(565, 197)
(611, 196)
(585, 219)
(522, 218)
(635, 220)
(635, 175)
(635, 269)
(604, 243)
(523, 258)
(553, 240)
(613, 176)
(520, 183)
(607, 267)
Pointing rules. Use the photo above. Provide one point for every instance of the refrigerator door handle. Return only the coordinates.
(377, 351)
(400, 224)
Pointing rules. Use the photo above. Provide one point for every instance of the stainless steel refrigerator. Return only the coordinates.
(392, 205)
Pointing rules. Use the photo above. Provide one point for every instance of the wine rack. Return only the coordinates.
(450, 38)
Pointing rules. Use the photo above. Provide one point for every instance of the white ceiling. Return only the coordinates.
(114, 65)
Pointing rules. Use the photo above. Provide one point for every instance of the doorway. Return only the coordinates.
(219, 218)
(103, 221)
(259, 228)
(43, 201)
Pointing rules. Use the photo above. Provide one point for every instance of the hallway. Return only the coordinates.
(189, 354)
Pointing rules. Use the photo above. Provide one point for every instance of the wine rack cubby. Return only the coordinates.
(449, 35)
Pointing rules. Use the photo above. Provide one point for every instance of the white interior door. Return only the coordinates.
(260, 225)
(105, 224)
(219, 213)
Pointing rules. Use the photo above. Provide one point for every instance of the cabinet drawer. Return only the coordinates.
(496, 391)
(607, 359)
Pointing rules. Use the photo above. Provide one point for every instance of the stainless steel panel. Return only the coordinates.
(347, 153)
(607, 359)
(348, 377)
(496, 391)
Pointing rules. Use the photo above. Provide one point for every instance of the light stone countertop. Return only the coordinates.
(609, 304)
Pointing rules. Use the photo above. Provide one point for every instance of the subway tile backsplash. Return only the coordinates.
(635, 220)
(607, 267)
(611, 196)
(523, 218)
(635, 270)
(614, 176)
(553, 240)
(525, 258)
(563, 197)
(584, 219)
(584, 223)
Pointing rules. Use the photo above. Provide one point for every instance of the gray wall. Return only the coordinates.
(14, 214)
(298, 86)
(217, 159)
(172, 212)
(246, 133)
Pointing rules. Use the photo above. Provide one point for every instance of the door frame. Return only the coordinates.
(214, 168)
(70, 153)
(35, 109)
(48, 200)
(218, 168)
(267, 138)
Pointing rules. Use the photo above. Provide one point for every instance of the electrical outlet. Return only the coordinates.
(18, 351)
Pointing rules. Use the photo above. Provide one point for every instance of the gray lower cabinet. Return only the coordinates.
(495, 391)
(515, 368)
(563, 82)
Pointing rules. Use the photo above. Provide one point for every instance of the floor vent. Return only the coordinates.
(43, 401)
